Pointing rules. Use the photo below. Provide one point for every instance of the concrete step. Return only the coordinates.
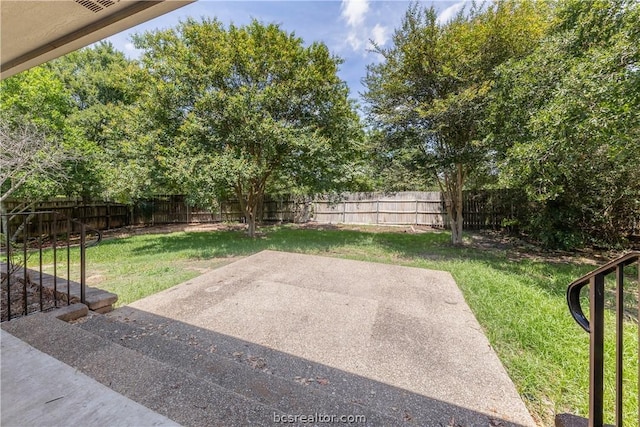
(223, 356)
(176, 393)
(66, 398)
(97, 299)
(235, 368)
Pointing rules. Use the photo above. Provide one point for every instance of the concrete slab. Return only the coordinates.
(406, 327)
(38, 390)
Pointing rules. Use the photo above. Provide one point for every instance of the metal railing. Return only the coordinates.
(595, 327)
(23, 237)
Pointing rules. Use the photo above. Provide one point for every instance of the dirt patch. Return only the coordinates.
(412, 229)
(95, 279)
(486, 240)
(517, 249)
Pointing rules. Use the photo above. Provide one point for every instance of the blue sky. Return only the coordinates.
(345, 26)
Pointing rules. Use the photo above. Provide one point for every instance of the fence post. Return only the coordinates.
(378, 211)
(416, 211)
(69, 225)
(40, 257)
(344, 212)
(108, 216)
(54, 244)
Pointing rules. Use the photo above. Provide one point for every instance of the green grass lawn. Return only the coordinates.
(520, 303)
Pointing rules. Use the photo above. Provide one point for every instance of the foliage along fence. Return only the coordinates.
(482, 210)
(494, 209)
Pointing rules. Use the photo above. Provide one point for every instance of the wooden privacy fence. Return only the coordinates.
(410, 207)
(481, 210)
(484, 209)
(493, 209)
(175, 209)
(95, 215)
(158, 210)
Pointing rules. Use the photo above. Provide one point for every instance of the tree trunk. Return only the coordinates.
(452, 190)
(251, 222)
(456, 226)
(249, 206)
(455, 218)
(260, 209)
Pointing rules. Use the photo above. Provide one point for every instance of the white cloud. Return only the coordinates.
(380, 34)
(354, 40)
(354, 11)
(450, 12)
(129, 46)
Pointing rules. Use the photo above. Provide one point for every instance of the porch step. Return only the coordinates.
(189, 385)
(177, 393)
(97, 300)
(199, 377)
(279, 382)
(292, 384)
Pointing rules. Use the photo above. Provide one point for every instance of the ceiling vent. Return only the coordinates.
(95, 6)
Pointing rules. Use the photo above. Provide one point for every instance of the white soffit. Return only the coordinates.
(34, 32)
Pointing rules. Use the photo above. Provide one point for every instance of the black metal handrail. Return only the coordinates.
(27, 228)
(595, 327)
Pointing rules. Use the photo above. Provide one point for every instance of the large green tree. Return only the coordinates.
(36, 149)
(428, 96)
(566, 125)
(237, 110)
(103, 88)
(80, 104)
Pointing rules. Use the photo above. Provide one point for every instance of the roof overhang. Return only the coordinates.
(34, 32)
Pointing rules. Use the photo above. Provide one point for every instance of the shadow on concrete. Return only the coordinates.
(289, 383)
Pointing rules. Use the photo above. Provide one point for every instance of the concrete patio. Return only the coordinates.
(277, 334)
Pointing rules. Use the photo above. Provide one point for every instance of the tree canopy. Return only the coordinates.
(428, 96)
(541, 98)
(566, 125)
(241, 110)
(80, 101)
(101, 87)
(35, 148)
